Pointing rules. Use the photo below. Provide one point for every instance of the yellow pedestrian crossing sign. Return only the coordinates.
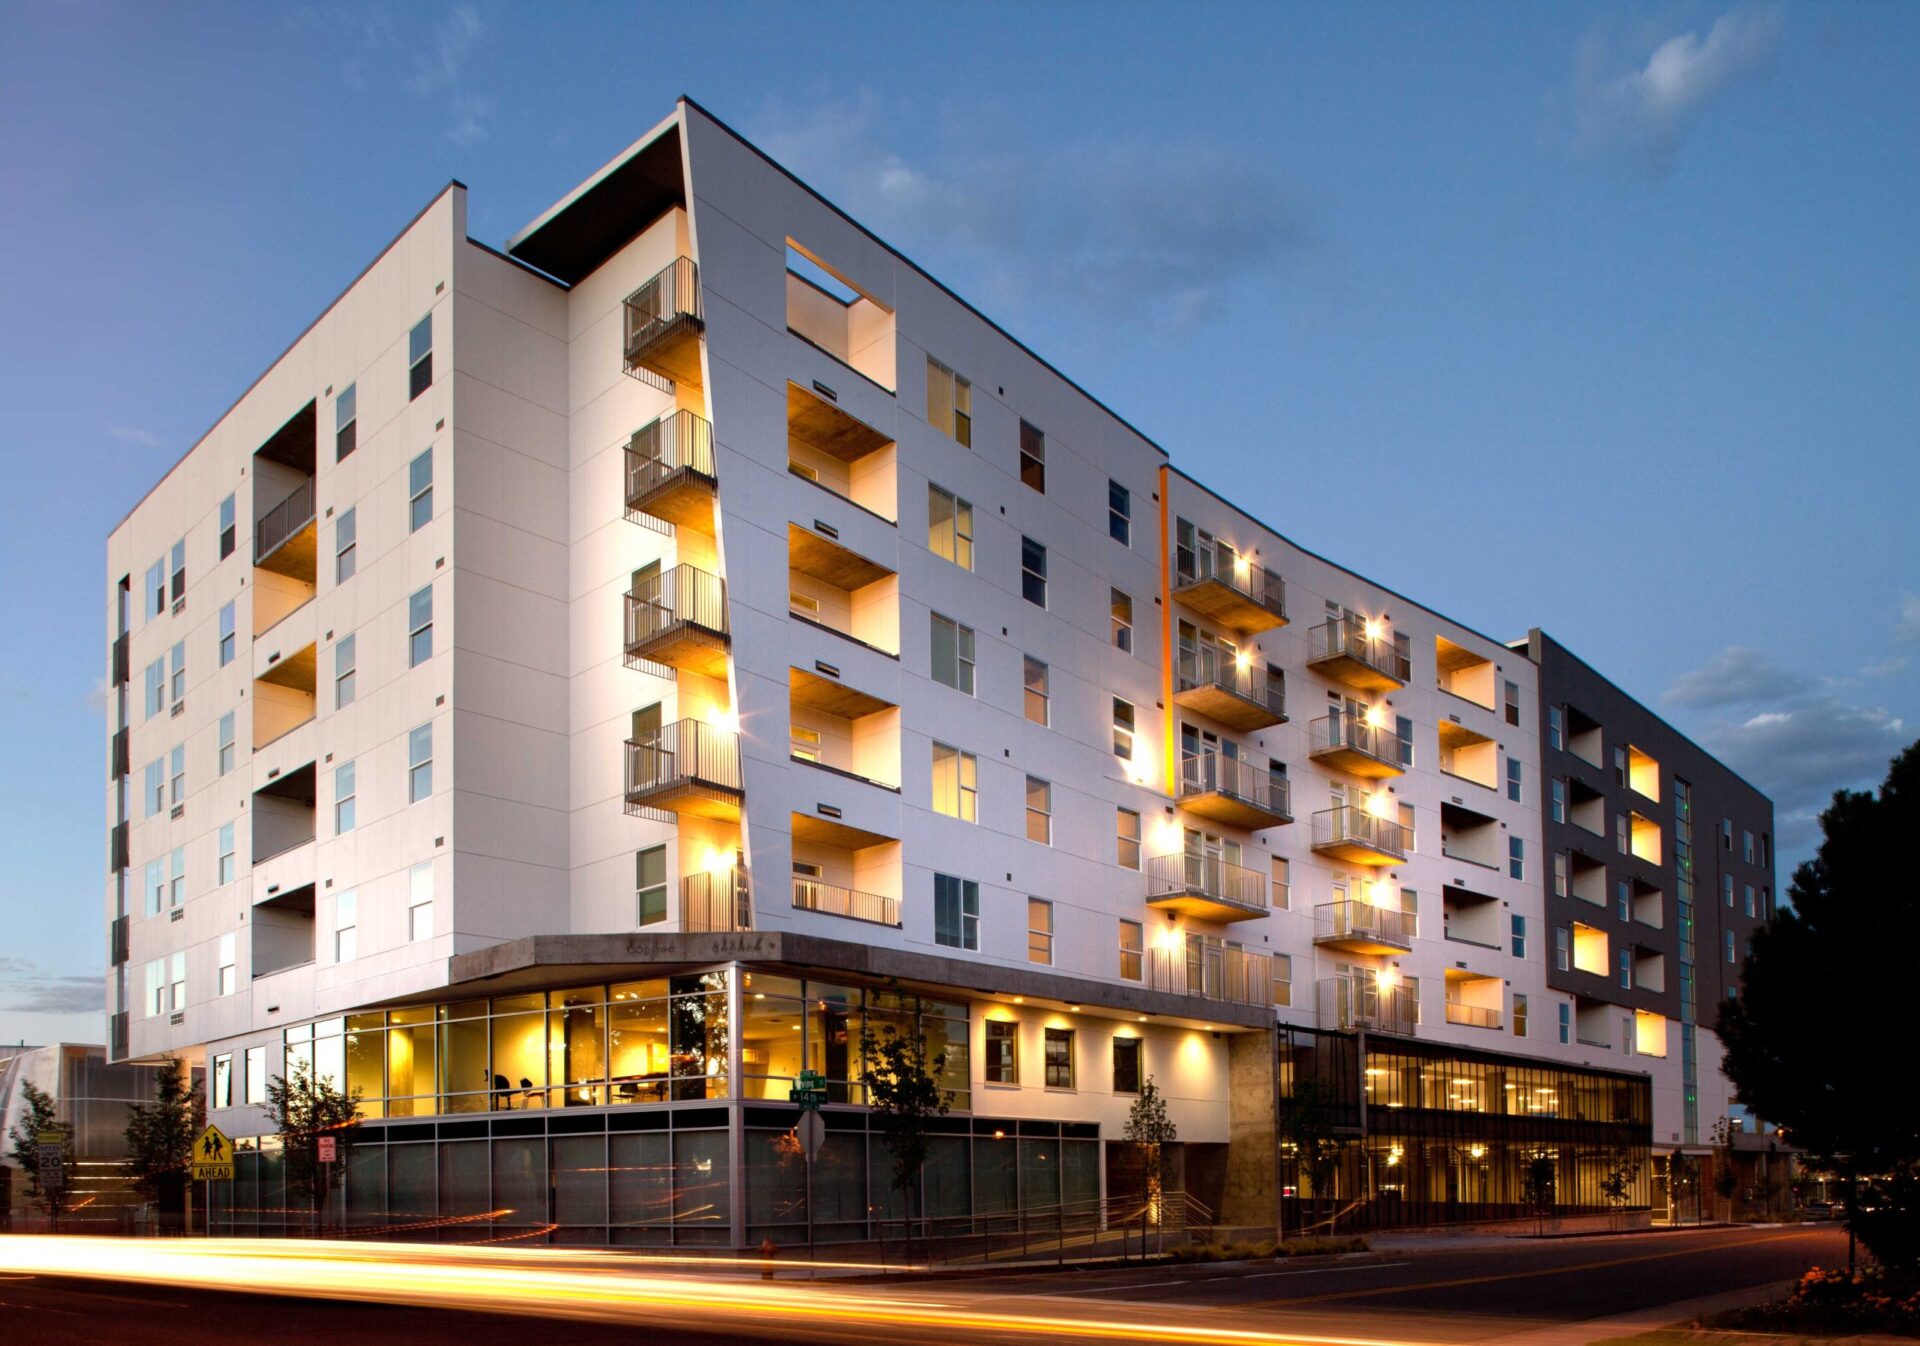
(212, 1157)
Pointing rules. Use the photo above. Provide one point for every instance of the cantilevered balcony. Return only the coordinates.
(1361, 927)
(834, 900)
(1357, 654)
(1242, 696)
(716, 901)
(1348, 832)
(1203, 886)
(1345, 742)
(679, 618)
(286, 537)
(1207, 969)
(670, 471)
(1228, 588)
(664, 323)
(1361, 1001)
(1233, 792)
(686, 767)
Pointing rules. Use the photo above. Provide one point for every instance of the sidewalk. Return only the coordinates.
(1652, 1319)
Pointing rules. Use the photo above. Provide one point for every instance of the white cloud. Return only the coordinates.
(24, 989)
(127, 434)
(1736, 676)
(1886, 668)
(1645, 113)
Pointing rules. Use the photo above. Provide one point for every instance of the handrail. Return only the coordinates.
(1350, 823)
(1259, 586)
(686, 752)
(674, 443)
(834, 900)
(684, 595)
(716, 902)
(1338, 731)
(1361, 1002)
(1212, 667)
(1211, 773)
(1473, 1016)
(670, 296)
(1209, 876)
(1348, 917)
(1235, 976)
(1343, 636)
(272, 529)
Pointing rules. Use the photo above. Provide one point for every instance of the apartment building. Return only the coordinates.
(578, 687)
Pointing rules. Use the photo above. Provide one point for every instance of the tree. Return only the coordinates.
(1726, 1179)
(903, 1089)
(160, 1135)
(1623, 1172)
(40, 1115)
(302, 1109)
(1826, 1087)
(1152, 1133)
(1683, 1181)
(1537, 1183)
(1306, 1128)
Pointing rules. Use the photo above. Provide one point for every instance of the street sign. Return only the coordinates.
(212, 1157)
(812, 1132)
(50, 1155)
(809, 1090)
(324, 1148)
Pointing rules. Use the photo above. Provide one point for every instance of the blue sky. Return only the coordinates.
(1598, 318)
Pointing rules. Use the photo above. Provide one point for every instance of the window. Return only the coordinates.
(177, 674)
(1033, 458)
(1037, 695)
(1513, 703)
(223, 974)
(1039, 930)
(1059, 1058)
(1730, 947)
(156, 589)
(1132, 949)
(952, 653)
(420, 627)
(1040, 813)
(956, 912)
(156, 786)
(1282, 883)
(345, 930)
(1122, 610)
(346, 422)
(226, 754)
(346, 549)
(155, 1000)
(1283, 979)
(1764, 852)
(420, 492)
(156, 687)
(179, 570)
(1726, 835)
(155, 886)
(1561, 957)
(1746, 847)
(949, 527)
(1626, 967)
(255, 1082)
(177, 980)
(1559, 873)
(420, 357)
(1516, 858)
(1620, 766)
(1518, 935)
(177, 876)
(345, 664)
(1556, 727)
(1126, 1065)
(1566, 1022)
(650, 880)
(1623, 899)
(1622, 832)
(803, 744)
(1403, 727)
(1033, 572)
(1513, 779)
(1003, 1052)
(222, 1096)
(1123, 727)
(1559, 801)
(343, 797)
(949, 402)
(227, 527)
(224, 867)
(1119, 513)
(420, 902)
(1519, 1016)
(955, 775)
(177, 774)
(226, 635)
(1726, 890)
(419, 764)
(1127, 841)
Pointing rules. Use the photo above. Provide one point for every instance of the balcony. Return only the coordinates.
(1362, 1002)
(664, 324)
(1473, 1016)
(716, 902)
(284, 695)
(843, 729)
(1228, 588)
(117, 857)
(686, 767)
(122, 662)
(837, 589)
(670, 471)
(1240, 696)
(119, 941)
(840, 453)
(834, 900)
(1348, 743)
(1233, 792)
(1361, 927)
(286, 537)
(679, 619)
(1211, 972)
(1347, 832)
(119, 759)
(1206, 887)
(1358, 654)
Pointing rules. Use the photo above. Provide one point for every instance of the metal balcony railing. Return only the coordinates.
(1258, 787)
(1473, 1016)
(1348, 919)
(1223, 566)
(675, 447)
(272, 529)
(834, 900)
(121, 660)
(685, 756)
(716, 902)
(658, 316)
(1216, 668)
(1340, 732)
(1350, 825)
(119, 937)
(1347, 638)
(121, 758)
(1360, 1001)
(1206, 876)
(1212, 972)
(676, 598)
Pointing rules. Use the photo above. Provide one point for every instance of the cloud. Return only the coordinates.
(1909, 628)
(447, 51)
(146, 439)
(469, 127)
(1644, 114)
(1154, 232)
(24, 989)
(1886, 668)
(1736, 676)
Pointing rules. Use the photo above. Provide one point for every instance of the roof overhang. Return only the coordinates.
(604, 213)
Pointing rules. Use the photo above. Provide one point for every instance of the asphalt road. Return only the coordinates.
(1428, 1291)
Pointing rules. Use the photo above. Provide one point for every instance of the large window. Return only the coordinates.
(420, 491)
(420, 627)
(956, 912)
(949, 402)
(1119, 513)
(1036, 694)
(343, 798)
(1033, 572)
(1126, 1065)
(952, 653)
(420, 763)
(1033, 458)
(1040, 811)
(1059, 1058)
(346, 555)
(420, 357)
(650, 881)
(949, 527)
(955, 783)
(1002, 1065)
(346, 437)
(1039, 930)
(345, 665)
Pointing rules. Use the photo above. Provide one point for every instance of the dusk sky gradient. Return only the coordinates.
(1603, 319)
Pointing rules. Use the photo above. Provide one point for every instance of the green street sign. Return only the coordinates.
(809, 1090)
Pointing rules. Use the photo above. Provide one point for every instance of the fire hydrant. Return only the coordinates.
(768, 1251)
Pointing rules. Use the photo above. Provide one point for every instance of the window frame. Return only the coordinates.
(965, 644)
(346, 668)
(1133, 946)
(1001, 1041)
(419, 358)
(345, 798)
(1119, 513)
(1036, 692)
(229, 525)
(419, 491)
(1130, 730)
(950, 538)
(419, 626)
(1120, 613)
(346, 545)
(1127, 1046)
(966, 782)
(1040, 814)
(419, 906)
(1033, 577)
(419, 766)
(346, 421)
(1127, 852)
(1057, 1072)
(962, 898)
(1033, 457)
(1040, 931)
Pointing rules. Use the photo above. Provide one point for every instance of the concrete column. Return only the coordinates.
(1251, 1199)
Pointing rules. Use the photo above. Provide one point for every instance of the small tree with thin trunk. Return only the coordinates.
(902, 1077)
(1726, 1182)
(1537, 1184)
(1683, 1181)
(302, 1109)
(24, 1149)
(160, 1135)
(1306, 1129)
(1623, 1172)
(1152, 1134)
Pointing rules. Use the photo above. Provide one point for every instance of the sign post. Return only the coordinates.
(809, 1092)
(212, 1162)
(50, 1163)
